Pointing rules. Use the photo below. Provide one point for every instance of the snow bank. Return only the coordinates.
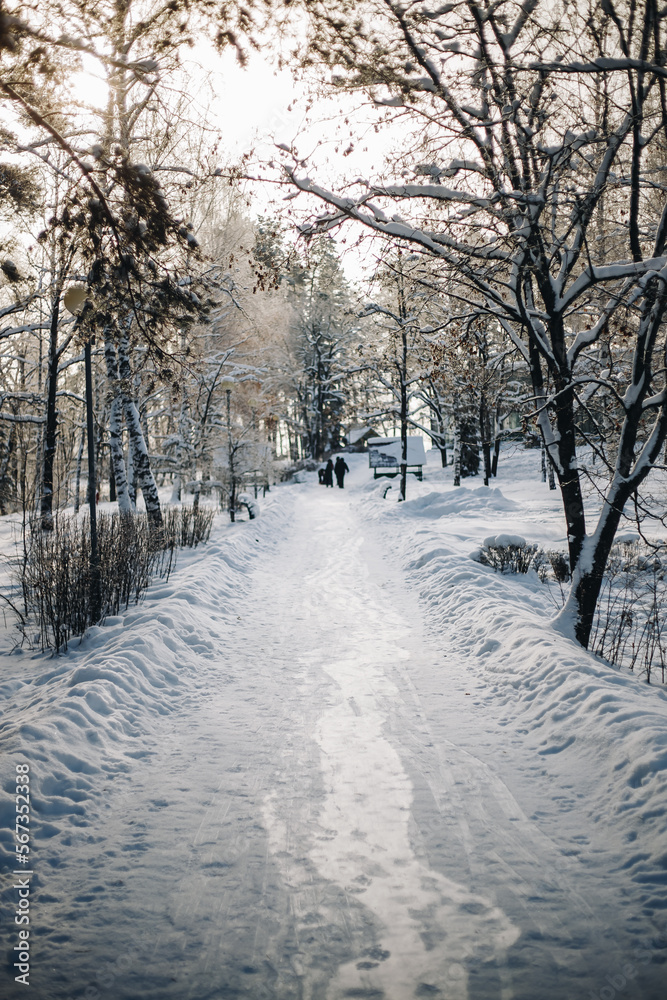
(485, 499)
(79, 720)
(579, 715)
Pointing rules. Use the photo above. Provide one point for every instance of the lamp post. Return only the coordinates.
(74, 301)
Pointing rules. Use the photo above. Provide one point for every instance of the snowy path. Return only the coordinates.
(321, 819)
(361, 841)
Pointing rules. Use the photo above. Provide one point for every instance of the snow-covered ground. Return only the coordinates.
(334, 757)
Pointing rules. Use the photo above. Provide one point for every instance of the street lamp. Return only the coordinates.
(74, 301)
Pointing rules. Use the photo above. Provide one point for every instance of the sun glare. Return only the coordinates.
(89, 86)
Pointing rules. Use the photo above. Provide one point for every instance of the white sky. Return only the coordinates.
(248, 103)
(258, 106)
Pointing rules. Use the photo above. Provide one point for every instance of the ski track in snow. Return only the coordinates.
(270, 781)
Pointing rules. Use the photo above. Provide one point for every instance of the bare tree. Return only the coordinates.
(552, 112)
(393, 357)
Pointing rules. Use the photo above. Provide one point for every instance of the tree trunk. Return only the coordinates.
(77, 480)
(131, 478)
(404, 442)
(140, 460)
(577, 616)
(496, 445)
(5, 478)
(403, 371)
(568, 473)
(484, 430)
(550, 474)
(442, 444)
(125, 505)
(404, 464)
(438, 434)
(457, 453)
(547, 468)
(51, 429)
(230, 460)
(561, 448)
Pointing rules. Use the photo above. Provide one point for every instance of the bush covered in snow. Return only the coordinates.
(507, 553)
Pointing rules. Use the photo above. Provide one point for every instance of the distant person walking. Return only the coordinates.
(328, 474)
(340, 468)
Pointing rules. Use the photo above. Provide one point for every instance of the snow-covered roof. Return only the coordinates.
(356, 434)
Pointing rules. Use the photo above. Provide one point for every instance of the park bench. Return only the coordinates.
(384, 456)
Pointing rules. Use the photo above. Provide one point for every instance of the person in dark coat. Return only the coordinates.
(320, 475)
(340, 468)
(328, 474)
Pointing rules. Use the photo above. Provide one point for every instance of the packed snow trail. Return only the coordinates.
(362, 838)
(314, 821)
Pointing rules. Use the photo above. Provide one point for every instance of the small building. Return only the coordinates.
(356, 438)
(384, 456)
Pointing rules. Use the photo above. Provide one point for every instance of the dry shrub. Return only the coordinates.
(55, 570)
(630, 626)
(188, 526)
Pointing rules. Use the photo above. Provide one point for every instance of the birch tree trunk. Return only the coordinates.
(4, 468)
(140, 460)
(438, 435)
(404, 435)
(77, 480)
(51, 430)
(131, 477)
(442, 443)
(552, 477)
(404, 459)
(457, 452)
(125, 505)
